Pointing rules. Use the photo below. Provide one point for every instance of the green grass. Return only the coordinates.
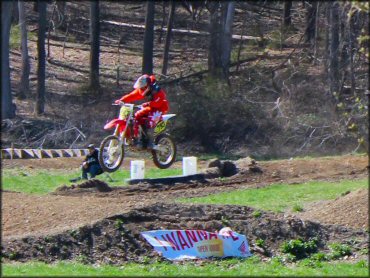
(227, 267)
(15, 36)
(282, 197)
(45, 181)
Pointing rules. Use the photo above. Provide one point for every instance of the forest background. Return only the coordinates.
(262, 78)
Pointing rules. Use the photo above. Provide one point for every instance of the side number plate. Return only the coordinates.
(160, 127)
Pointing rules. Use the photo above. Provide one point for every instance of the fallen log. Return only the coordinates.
(180, 31)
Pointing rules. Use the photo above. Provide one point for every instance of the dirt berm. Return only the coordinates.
(99, 224)
(117, 239)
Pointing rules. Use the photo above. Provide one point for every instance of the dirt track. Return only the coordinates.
(39, 216)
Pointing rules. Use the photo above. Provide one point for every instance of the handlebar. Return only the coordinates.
(130, 105)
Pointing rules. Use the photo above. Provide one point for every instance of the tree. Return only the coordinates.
(7, 106)
(147, 65)
(311, 14)
(40, 96)
(220, 28)
(353, 34)
(94, 45)
(24, 84)
(226, 41)
(15, 12)
(168, 37)
(214, 51)
(334, 47)
(287, 16)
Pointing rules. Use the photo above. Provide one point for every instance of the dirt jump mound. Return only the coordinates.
(351, 209)
(117, 239)
(93, 184)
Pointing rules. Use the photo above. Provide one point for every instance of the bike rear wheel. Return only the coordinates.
(111, 153)
(165, 155)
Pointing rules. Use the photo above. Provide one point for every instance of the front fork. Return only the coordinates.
(116, 131)
(121, 136)
(112, 144)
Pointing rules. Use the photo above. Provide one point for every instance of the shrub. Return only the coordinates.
(260, 243)
(319, 257)
(225, 221)
(257, 213)
(364, 251)
(297, 208)
(118, 223)
(299, 248)
(339, 250)
(311, 263)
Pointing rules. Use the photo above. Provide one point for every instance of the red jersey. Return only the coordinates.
(158, 100)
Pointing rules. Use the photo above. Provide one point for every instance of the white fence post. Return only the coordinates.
(189, 165)
(137, 169)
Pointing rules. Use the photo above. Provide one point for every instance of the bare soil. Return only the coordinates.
(85, 222)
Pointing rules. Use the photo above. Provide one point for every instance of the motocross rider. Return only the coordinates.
(147, 88)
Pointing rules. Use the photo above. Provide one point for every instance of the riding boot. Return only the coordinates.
(144, 137)
(150, 136)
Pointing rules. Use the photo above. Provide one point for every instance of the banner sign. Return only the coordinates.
(192, 244)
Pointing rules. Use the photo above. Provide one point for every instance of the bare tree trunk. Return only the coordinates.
(352, 46)
(345, 45)
(327, 38)
(35, 6)
(15, 12)
(163, 22)
(40, 97)
(49, 29)
(311, 22)
(287, 16)
(24, 85)
(147, 65)
(168, 37)
(7, 106)
(334, 47)
(316, 31)
(226, 41)
(241, 42)
(61, 7)
(214, 51)
(221, 20)
(94, 45)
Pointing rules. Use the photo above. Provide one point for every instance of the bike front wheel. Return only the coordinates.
(164, 154)
(111, 153)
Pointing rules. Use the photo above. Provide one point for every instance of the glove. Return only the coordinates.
(145, 104)
(118, 101)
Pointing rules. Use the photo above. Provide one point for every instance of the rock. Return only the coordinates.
(228, 169)
(215, 163)
(225, 169)
(248, 164)
(245, 162)
(212, 173)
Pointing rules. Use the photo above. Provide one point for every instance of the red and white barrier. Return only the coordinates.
(14, 153)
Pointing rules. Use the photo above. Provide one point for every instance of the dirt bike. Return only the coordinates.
(128, 132)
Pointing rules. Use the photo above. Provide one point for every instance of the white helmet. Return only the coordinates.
(141, 82)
